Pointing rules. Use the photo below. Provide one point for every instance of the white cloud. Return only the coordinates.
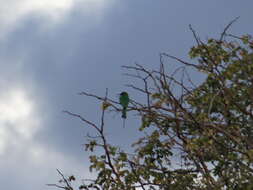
(12, 11)
(18, 119)
(20, 154)
(34, 165)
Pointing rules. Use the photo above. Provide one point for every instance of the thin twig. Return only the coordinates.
(227, 27)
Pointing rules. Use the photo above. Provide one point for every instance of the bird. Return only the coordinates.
(124, 101)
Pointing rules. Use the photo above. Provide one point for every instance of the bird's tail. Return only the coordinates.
(124, 113)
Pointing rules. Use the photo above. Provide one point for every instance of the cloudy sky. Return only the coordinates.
(51, 50)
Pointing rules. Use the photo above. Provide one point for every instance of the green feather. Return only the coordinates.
(124, 101)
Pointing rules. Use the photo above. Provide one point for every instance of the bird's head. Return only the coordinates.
(123, 94)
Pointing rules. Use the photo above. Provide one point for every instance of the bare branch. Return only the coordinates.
(180, 60)
(83, 119)
(226, 28)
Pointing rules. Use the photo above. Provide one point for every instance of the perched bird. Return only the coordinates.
(124, 101)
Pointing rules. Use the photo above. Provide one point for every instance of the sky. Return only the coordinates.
(52, 50)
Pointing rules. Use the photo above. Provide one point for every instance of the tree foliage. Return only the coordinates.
(199, 137)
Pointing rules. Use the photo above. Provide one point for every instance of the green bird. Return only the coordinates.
(124, 101)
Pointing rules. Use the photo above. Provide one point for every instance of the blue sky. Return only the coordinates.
(51, 50)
